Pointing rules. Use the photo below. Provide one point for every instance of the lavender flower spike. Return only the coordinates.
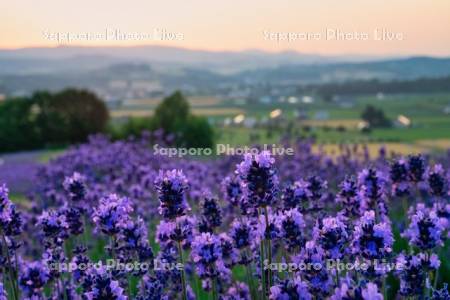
(425, 230)
(371, 240)
(112, 214)
(259, 178)
(171, 187)
(75, 186)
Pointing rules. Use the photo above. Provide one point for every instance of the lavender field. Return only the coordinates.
(111, 220)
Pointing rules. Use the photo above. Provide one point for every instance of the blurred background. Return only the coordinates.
(205, 72)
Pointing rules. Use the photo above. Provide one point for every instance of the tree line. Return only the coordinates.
(47, 119)
(364, 87)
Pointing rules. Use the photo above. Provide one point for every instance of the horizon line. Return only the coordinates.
(281, 51)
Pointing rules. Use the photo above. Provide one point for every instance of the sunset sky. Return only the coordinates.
(424, 25)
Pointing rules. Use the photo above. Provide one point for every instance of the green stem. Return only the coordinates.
(112, 244)
(67, 248)
(405, 205)
(183, 278)
(129, 286)
(198, 284)
(250, 278)
(10, 271)
(85, 231)
(247, 273)
(263, 273)
(59, 287)
(250, 281)
(16, 275)
(261, 262)
(269, 250)
(436, 275)
(286, 260)
(436, 278)
(214, 289)
(64, 290)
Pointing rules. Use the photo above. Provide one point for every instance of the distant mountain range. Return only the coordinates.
(48, 60)
(28, 69)
(402, 68)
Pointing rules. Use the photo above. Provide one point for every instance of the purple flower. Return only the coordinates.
(54, 227)
(416, 168)
(169, 254)
(207, 256)
(437, 181)
(259, 179)
(179, 230)
(103, 286)
(270, 231)
(151, 289)
(399, 177)
(53, 258)
(5, 205)
(425, 229)
(171, 187)
(33, 277)
(348, 196)
(371, 292)
(73, 218)
(68, 291)
(230, 254)
(165, 231)
(231, 190)
(3, 294)
(238, 291)
(10, 219)
(331, 233)
(346, 291)
(291, 226)
(206, 249)
(244, 237)
(80, 261)
(318, 279)
(242, 233)
(373, 189)
(349, 290)
(134, 238)
(372, 240)
(112, 214)
(15, 226)
(290, 289)
(75, 186)
(413, 272)
(296, 195)
(443, 212)
(211, 215)
(190, 293)
(441, 294)
(316, 186)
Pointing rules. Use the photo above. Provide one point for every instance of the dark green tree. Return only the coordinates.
(375, 117)
(81, 112)
(17, 126)
(173, 116)
(197, 133)
(172, 113)
(47, 119)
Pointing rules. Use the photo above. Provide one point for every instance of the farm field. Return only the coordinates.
(429, 122)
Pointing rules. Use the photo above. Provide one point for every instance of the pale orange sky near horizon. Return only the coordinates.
(212, 25)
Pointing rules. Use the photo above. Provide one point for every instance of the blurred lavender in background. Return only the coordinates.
(17, 170)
